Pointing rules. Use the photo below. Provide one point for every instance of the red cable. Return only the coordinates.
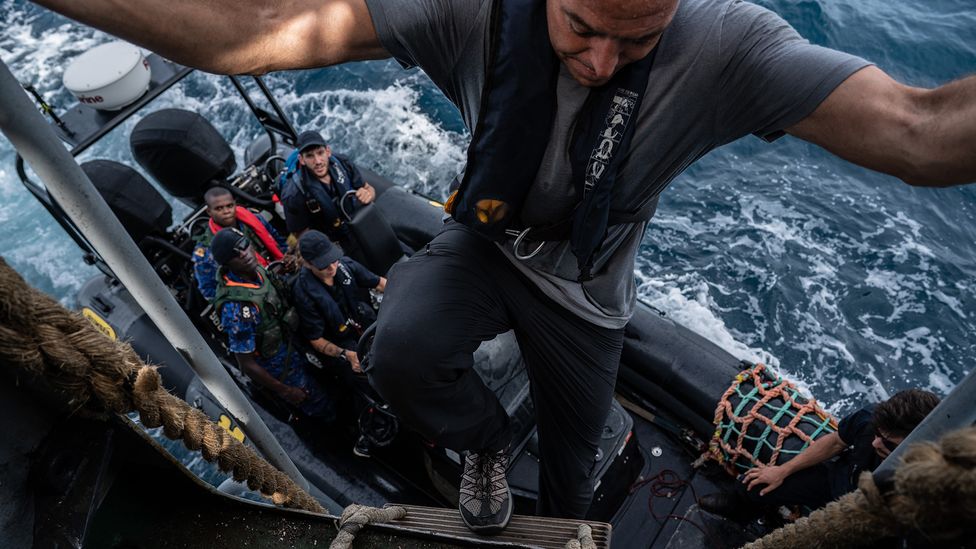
(666, 484)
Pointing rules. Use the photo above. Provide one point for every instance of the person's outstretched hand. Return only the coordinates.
(772, 476)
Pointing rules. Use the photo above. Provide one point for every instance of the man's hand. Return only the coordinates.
(289, 262)
(353, 359)
(770, 475)
(366, 193)
(292, 395)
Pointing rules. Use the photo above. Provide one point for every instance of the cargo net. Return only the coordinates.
(762, 419)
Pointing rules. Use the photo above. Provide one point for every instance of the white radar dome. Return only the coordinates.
(108, 77)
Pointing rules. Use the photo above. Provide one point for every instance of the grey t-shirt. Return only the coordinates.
(724, 69)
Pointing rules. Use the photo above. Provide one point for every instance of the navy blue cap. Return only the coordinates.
(227, 244)
(317, 250)
(310, 139)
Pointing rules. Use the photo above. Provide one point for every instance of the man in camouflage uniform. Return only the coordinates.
(259, 323)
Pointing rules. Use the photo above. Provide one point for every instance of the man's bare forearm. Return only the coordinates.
(236, 36)
(819, 451)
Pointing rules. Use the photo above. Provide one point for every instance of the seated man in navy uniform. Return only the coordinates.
(260, 325)
(267, 244)
(314, 195)
(812, 478)
(328, 294)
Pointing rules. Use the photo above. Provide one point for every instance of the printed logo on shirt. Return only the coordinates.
(246, 312)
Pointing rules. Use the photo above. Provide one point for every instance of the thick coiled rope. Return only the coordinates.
(933, 499)
(61, 349)
(356, 516)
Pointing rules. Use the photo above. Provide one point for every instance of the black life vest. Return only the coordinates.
(323, 202)
(518, 105)
(278, 318)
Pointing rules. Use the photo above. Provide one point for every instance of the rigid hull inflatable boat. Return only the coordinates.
(670, 379)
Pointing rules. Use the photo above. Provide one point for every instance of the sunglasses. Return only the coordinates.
(241, 245)
(885, 441)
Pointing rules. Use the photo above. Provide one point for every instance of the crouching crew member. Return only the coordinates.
(267, 244)
(813, 478)
(260, 324)
(327, 294)
(312, 194)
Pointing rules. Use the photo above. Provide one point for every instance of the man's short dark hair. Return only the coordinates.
(215, 192)
(901, 413)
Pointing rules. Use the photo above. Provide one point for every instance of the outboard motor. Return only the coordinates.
(138, 205)
(183, 151)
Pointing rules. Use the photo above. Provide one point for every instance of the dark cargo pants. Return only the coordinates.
(439, 306)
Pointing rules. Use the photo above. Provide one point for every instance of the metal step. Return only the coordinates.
(522, 531)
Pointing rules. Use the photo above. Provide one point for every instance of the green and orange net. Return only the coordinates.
(763, 419)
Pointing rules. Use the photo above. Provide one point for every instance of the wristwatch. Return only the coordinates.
(342, 356)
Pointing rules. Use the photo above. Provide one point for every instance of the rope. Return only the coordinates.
(757, 405)
(584, 538)
(63, 350)
(667, 484)
(933, 499)
(356, 516)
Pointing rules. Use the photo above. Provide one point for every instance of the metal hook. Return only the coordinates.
(518, 242)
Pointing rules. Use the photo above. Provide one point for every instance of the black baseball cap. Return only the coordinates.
(317, 250)
(227, 244)
(310, 139)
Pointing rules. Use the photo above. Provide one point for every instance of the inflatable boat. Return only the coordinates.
(664, 442)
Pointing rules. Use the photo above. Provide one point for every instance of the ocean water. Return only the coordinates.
(848, 281)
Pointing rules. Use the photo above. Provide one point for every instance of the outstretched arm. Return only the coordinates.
(237, 36)
(925, 137)
(772, 476)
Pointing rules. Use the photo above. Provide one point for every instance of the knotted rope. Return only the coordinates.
(356, 516)
(933, 496)
(62, 349)
(584, 538)
(762, 419)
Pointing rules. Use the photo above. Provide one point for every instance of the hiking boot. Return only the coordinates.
(484, 499)
(363, 448)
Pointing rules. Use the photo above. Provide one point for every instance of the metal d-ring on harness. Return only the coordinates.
(519, 236)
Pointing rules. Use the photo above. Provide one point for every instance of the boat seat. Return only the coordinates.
(182, 151)
(138, 205)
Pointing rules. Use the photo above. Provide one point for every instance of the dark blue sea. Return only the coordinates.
(850, 282)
